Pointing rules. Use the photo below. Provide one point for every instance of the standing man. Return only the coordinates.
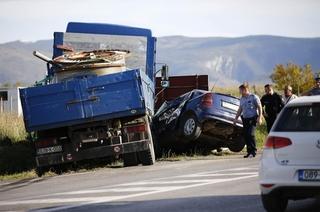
(251, 113)
(288, 95)
(316, 89)
(272, 105)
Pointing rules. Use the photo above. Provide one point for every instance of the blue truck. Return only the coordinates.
(91, 105)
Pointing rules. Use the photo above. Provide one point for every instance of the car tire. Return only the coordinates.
(274, 203)
(190, 127)
(236, 144)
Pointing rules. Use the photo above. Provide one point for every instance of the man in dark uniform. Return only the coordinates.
(272, 104)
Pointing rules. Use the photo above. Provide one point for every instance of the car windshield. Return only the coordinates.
(300, 118)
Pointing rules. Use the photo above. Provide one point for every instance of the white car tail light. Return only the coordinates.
(275, 142)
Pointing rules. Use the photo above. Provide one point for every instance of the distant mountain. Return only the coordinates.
(233, 60)
(17, 63)
(227, 61)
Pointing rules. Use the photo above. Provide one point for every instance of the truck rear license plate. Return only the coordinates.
(50, 149)
(309, 175)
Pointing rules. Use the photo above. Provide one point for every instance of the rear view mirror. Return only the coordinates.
(165, 76)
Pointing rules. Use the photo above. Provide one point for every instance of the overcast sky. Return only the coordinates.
(31, 20)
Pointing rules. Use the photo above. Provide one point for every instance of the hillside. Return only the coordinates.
(227, 60)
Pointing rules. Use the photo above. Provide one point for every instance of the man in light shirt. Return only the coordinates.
(288, 95)
(250, 111)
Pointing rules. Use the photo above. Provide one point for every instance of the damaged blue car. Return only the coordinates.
(200, 119)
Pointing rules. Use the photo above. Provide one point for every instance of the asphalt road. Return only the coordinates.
(197, 185)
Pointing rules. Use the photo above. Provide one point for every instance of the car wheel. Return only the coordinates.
(236, 144)
(274, 203)
(190, 127)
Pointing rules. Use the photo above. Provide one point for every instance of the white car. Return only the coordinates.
(290, 163)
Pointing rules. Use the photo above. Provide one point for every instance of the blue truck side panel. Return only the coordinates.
(82, 100)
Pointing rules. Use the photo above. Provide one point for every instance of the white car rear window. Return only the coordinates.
(299, 119)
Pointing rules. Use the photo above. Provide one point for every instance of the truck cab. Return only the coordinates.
(98, 97)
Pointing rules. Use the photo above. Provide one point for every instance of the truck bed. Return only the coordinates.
(87, 99)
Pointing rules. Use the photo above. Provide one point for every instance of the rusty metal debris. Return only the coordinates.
(65, 48)
(91, 59)
(96, 62)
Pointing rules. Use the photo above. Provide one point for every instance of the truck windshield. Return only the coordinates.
(300, 119)
(137, 45)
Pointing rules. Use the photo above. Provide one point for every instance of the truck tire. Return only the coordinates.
(236, 144)
(190, 127)
(40, 171)
(148, 156)
(274, 203)
(130, 159)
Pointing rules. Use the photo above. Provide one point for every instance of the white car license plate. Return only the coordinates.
(309, 175)
(47, 150)
(230, 106)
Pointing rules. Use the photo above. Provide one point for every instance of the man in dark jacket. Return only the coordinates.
(272, 104)
(316, 89)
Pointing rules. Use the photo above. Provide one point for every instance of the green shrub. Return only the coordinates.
(11, 129)
(261, 135)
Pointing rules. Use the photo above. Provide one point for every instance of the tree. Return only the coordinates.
(6, 85)
(300, 78)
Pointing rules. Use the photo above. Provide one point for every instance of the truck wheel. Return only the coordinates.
(236, 144)
(274, 203)
(148, 157)
(156, 146)
(59, 169)
(190, 127)
(130, 159)
(40, 171)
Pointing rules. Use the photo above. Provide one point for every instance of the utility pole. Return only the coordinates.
(1, 105)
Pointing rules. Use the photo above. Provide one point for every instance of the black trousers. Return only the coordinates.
(270, 121)
(249, 131)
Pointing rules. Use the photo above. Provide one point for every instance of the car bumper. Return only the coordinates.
(226, 119)
(91, 153)
(274, 177)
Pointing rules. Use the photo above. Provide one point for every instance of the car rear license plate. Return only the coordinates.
(47, 150)
(230, 106)
(309, 175)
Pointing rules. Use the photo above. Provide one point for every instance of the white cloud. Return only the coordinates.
(37, 19)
